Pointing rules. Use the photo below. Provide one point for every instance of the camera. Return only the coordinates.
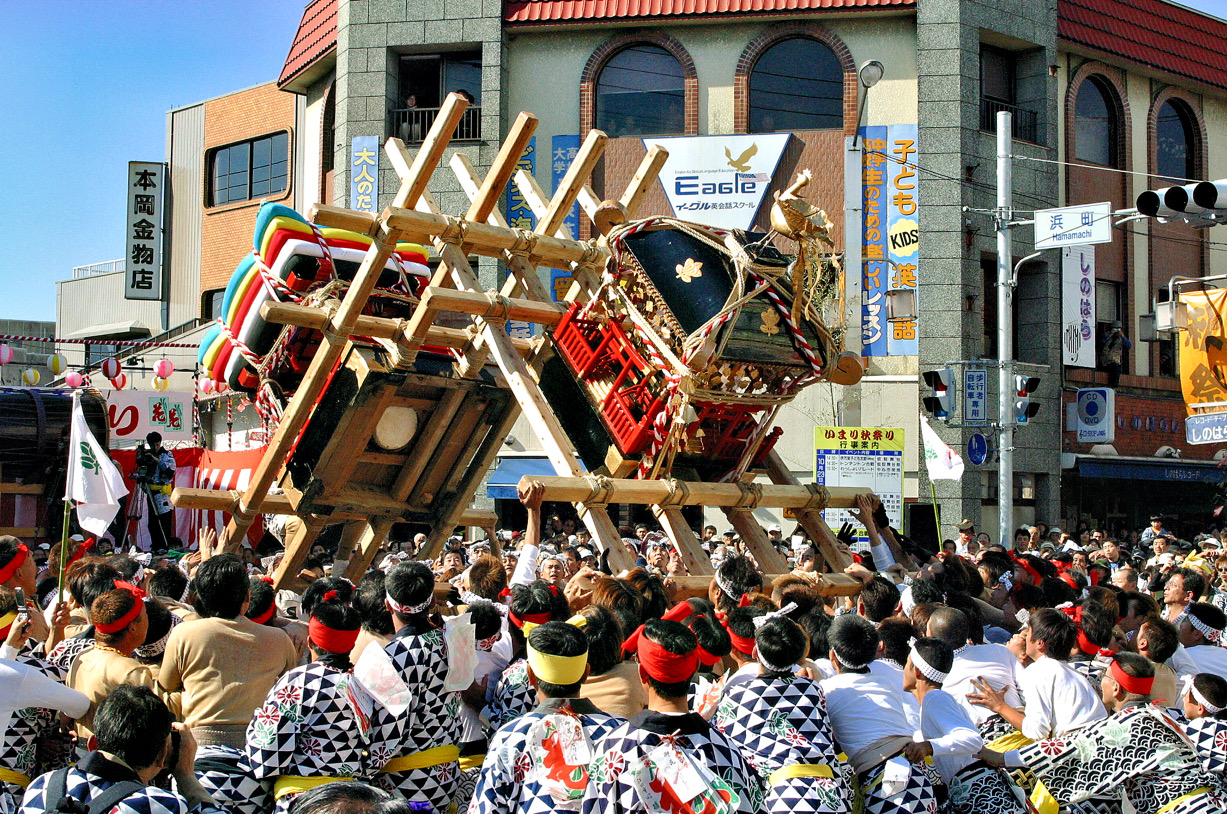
(146, 463)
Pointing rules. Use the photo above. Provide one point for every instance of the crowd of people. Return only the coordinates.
(1053, 672)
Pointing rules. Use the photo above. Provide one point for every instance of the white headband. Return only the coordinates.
(409, 610)
(960, 651)
(1201, 699)
(759, 621)
(1201, 627)
(771, 667)
(1006, 581)
(927, 670)
(724, 586)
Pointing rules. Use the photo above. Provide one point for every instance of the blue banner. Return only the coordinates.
(876, 271)
(902, 228)
(563, 152)
(364, 174)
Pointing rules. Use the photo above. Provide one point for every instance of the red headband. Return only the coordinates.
(330, 639)
(7, 572)
(128, 618)
(1024, 564)
(1068, 579)
(1090, 648)
(1131, 684)
(742, 644)
(660, 664)
(535, 618)
(679, 612)
(85, 546)
(263, 618)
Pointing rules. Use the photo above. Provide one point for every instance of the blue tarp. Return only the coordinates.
(503, 480)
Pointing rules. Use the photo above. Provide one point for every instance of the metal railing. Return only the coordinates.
(94, 269)
(1026, 124)
(411, 124)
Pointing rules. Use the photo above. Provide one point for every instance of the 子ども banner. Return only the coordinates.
(890, 235)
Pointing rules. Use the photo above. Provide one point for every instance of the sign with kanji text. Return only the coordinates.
(890, 235)
(1079, 225)
(1203, 350)
(143, 254)
(136, 413)
(975, 395)
(1078, 306)
(364, 174)
(868, 458)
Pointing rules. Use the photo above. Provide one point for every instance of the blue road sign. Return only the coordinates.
(977, 449)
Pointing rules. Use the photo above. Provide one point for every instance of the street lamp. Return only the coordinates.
(870, 73)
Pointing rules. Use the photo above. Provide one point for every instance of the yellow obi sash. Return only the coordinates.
(16, 778)
(1010, 742)
(295, 784)
(422, 760)
(799, 770)
(1182, 798)
(471, 762)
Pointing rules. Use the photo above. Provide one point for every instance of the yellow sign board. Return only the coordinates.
(1203, 349)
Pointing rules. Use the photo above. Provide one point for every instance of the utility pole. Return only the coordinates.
(1005, 329)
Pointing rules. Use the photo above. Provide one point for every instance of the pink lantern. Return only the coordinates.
(119, 382)
(74, 379)
(6, 354)
(163, 368)
(111, 368)
(206, 386)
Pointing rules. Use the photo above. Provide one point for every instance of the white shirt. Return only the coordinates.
(994, 663)
(1206, 658)
(950, 731)
(22, 686)
(1059, 700)
(864, 708)
(894, 674)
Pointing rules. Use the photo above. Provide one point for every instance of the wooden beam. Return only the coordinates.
(715, 495)
(649, 169)
(827, 585)
(424, 446)
(21, 488)
(298, 540)
(466, 174)
(504, 166)
(569, 187)
(693, 556)
(218, 500)
(369, 540)
(491, 306)
(755, 539)
(813, 523)
(534, 196)
(336, 217)
(416, 177)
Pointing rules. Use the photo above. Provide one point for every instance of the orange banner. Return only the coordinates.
(1203, 349)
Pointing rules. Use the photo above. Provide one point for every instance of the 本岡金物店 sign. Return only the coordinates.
(890, 233)
(719, 181)
(143, 257)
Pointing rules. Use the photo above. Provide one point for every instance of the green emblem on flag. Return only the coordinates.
(88, 461)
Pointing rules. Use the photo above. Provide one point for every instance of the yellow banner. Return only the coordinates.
(1203, 349)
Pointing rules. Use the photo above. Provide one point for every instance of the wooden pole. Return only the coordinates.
(716, 495)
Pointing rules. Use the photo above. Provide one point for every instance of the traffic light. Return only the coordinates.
(941, 403)
(1203, 203)
(1025, 407)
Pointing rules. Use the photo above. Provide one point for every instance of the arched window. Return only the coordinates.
(641, 92)
(1095, 136)
(1175, 144)
(797, 84)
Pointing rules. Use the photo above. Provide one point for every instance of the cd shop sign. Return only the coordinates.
(719, 181)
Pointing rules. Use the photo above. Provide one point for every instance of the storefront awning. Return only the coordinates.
(112, 330)
(1151, 469)
(503, 480)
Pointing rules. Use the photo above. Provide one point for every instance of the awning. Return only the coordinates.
(502, 482)
(112, 330)
(1151, 469)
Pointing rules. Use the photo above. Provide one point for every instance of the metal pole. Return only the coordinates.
(849, 412)
(1005, 331)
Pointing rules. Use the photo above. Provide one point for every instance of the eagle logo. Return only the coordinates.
(741, 162)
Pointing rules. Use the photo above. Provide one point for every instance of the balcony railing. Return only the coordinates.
(411, 124)
(93, 269)
(1026, 123)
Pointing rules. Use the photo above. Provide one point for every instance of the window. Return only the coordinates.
(211, 303)
(797, 84)
(999, 91)
(1175, 154)
(425, 81)
(1095, 140)
(641, 92)
(1107, 310)
(249, 169)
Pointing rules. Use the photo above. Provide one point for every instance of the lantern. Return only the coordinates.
(160, 384)
(30, 377)
(74, 379)
(57, 363)
(6, 354)
(120, 382)
(206, 386)
(111, 367)
(163, 368)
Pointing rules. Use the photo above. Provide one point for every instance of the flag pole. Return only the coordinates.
(937, 513)
(67, 510)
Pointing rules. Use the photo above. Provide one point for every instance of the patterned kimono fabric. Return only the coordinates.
(538, 763)
(226, 775)
(513, 696)
(1209, 737)
(23, 744)
(623, 776)
(313, 725)
(1139, 750)
(983, 789)
(92, 776)
(415, 752)
(780, 724)
(1092, 669)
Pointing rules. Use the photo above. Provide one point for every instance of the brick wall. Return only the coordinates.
(1143, 425)
(226, 230)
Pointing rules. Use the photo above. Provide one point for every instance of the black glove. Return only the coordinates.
(845, 534)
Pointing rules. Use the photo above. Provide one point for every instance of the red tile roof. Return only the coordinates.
(1154, 33)
(543, 11)
(317, 36)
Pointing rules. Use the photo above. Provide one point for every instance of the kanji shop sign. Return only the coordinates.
(364, 174)
(719, 181)
(143, 257)
(1203, 350)
(136, 413)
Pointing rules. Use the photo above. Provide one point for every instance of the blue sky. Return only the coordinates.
(86, 88)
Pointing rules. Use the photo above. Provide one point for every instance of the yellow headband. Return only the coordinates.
(6, 621)
(561, 670)
(574, 621)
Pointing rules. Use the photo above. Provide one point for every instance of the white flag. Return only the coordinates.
(942, 462)
(95, 484)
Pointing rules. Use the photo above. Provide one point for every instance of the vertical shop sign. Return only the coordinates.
(364, 174)
(902, 229)
(143, 255)
(876, 274)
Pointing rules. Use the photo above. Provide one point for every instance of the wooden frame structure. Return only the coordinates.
(343, 426)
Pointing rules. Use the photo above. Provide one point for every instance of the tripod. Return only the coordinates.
(134, 515)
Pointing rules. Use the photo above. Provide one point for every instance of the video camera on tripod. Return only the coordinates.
(146, 464)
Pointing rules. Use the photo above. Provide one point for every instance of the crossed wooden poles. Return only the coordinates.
(454, 288)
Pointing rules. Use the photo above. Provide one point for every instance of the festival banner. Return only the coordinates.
(1203, 349)
(902, 228)
(1078, 306)
(875, 276)
(364, 174)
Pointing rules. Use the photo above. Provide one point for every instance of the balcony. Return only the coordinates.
(411, 124)
(1026, 123)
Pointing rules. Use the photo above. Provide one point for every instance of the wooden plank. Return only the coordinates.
(828, 585)
(217, 500)
(491, 306)
(337, 217)
(534, 196)
(373, 535)
(647, 492)
(693, 556)
(466, 174)
(447, 457)
(504, 166)
(297, 546)
(645, 175)
(569, 187)
(21, 488)
(752, 534)
(588, 201)
(424, 446)
(813, 523)
(23, 531)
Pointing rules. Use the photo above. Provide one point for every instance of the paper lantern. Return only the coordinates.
(163, 368)
(206, 386)
(57, 363)
(6, 354)
(110, 367)
(30, 377)
(120, 382)
(160, 384)
(74, 379)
